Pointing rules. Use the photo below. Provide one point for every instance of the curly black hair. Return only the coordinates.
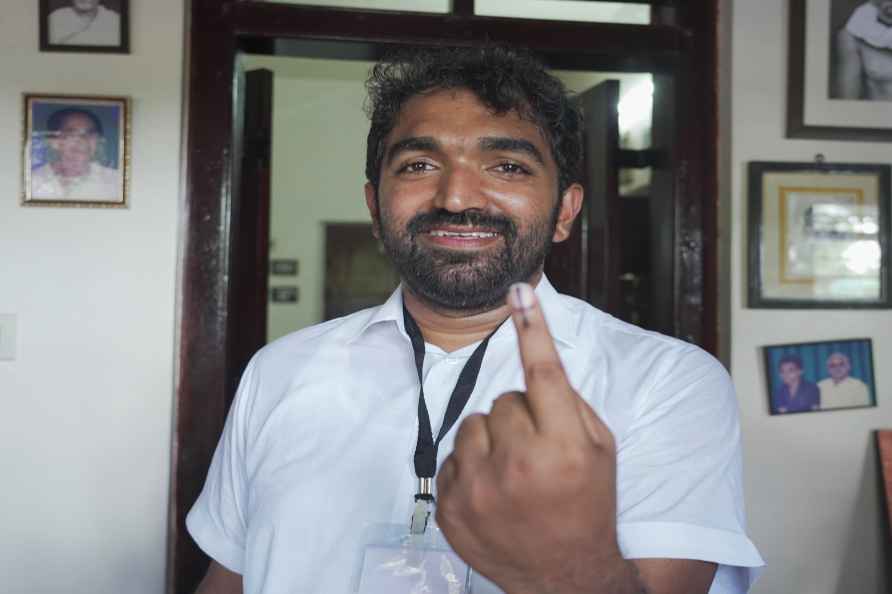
(790, 358)
(57, 118)
(504, 79)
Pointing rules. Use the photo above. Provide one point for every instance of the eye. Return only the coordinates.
(511, 168)
(415, 167)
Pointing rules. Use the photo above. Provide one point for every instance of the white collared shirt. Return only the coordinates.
(320, 439)
(846, 393)
(100, 183)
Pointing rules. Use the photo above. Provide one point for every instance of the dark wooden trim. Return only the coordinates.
(638, 47)
(697, 178)
(200, 408)
(218, 29)
(463, 7)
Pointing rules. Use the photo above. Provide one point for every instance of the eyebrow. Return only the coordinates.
(487, 143)
(507, 143)
(413, 143)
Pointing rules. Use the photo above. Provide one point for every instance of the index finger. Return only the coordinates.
(549, 394)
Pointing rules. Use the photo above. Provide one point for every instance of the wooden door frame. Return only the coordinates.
(218, 29)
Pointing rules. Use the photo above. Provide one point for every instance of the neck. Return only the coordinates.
(87, 14)
(453, 329)
(69, 170)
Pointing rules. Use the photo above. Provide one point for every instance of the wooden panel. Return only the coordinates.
(249, 262)
(884, 446)
(601, 181)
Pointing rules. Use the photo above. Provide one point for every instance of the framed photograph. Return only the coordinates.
(840, 70)
(818, 235)
(101, 26)
(75, 150)
(815, 376)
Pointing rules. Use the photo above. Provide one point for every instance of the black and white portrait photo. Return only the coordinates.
(861, 50)
(84, 25)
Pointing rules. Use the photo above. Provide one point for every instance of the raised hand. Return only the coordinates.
(528, 496)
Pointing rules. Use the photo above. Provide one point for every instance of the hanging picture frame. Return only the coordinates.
(75, 150)
(820, 376)
(86, 26)
(834, 46)
(818, 235)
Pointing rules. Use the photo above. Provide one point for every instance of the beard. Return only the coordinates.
(467, 281)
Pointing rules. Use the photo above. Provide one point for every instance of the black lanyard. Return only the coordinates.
(426, 447)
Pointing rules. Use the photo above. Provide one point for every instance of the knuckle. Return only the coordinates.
(517, 474)
(506, 402)
(546, 371)
(481, 497)
(469, 429)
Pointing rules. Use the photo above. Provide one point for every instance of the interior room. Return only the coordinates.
(92, 443)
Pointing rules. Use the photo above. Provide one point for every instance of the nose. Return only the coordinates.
(460, 189)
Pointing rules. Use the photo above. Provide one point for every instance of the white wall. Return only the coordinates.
(86, 405)
(811, 479)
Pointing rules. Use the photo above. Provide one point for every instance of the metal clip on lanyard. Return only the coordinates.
(426, 447)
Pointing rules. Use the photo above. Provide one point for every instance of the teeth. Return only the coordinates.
(480, 234)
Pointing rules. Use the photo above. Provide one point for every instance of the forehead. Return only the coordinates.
(77, 120)
(458, 114)
(836, 359)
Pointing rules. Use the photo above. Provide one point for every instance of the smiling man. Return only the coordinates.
(571, 452)
(841, 390)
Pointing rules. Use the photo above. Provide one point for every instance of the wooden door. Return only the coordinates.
(249, 268)
(586, 265)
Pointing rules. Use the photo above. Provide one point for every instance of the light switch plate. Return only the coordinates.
(7, 337)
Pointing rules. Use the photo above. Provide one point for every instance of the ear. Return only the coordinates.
(571, 204)
(371, 202)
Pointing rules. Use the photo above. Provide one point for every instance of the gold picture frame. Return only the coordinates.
(75, 150)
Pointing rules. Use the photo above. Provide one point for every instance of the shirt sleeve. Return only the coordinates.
(217, 521)
(679, 473)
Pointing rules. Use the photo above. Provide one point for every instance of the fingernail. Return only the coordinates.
(521, 296)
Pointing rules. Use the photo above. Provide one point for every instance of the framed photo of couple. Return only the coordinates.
(818, 235)
(75, 150)
(819, 376)
(840, 70)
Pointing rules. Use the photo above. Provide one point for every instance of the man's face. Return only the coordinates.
(790, 373)
(467, 201)
(76, 144)
(838, 367)
(85, 5)
(885, 11)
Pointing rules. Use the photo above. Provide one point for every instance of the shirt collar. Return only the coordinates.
(561, 320)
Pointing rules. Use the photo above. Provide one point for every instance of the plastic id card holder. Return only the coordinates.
(392, 561)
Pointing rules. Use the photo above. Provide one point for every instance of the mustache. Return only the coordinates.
(426, 221)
